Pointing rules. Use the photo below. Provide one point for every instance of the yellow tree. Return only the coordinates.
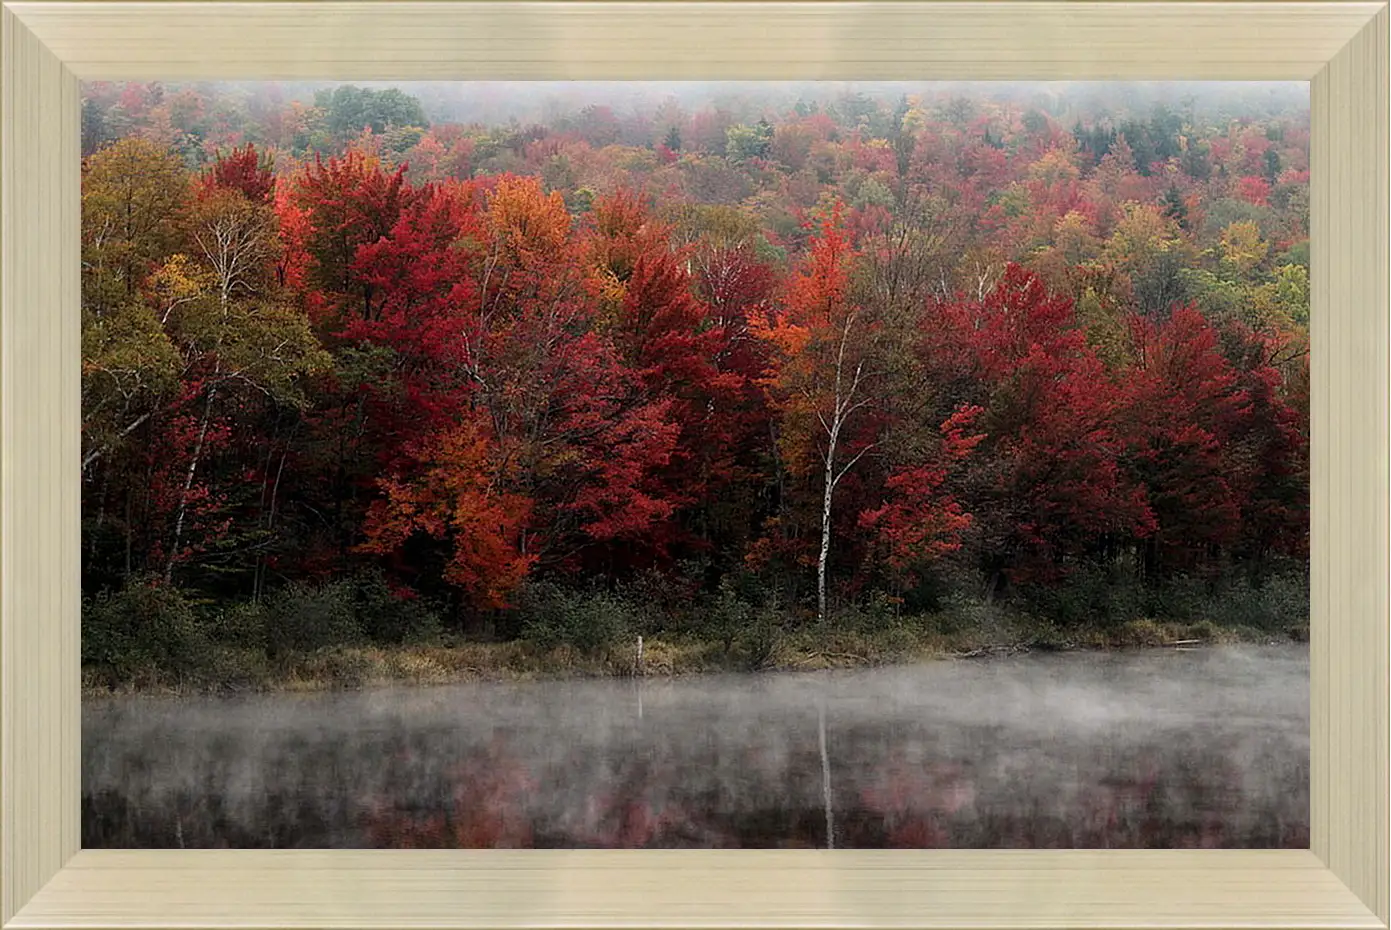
(132, 195)
(1147, 249)
(1243, 248)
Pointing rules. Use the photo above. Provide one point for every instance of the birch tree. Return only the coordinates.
(824, 344)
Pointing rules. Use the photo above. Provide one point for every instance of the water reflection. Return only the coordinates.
(1205, 748)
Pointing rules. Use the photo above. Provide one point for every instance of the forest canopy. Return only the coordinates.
(574, 362)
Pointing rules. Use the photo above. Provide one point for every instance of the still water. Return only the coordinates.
(1160, 748)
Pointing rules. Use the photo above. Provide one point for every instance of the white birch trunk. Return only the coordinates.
(826, 524)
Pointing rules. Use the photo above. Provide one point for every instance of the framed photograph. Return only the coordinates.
(540, 464)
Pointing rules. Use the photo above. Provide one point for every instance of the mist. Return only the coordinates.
(1163, 748)
(526, 102)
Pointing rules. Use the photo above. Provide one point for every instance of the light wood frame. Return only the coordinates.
(48, 47)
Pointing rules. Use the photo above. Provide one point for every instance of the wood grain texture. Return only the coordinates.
(695, 889)
(1005, 39)
(1341, 882)
(1350, 456)
(39, 479)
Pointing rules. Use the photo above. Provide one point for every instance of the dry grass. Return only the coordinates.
(369, 666)
(354, 667)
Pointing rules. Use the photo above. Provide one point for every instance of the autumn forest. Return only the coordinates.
(766, 375)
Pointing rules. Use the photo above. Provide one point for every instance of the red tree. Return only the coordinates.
(245, 170)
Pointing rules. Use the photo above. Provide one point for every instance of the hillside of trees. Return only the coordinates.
(718, 372)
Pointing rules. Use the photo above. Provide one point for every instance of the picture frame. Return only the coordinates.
(47, 48)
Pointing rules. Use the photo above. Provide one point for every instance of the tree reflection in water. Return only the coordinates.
(1215, 756)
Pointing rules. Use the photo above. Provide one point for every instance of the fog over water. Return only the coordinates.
(1208, 747)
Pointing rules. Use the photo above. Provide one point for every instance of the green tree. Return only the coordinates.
(348, 109)
(1174, 207)
(1284, 300)
(745, 142)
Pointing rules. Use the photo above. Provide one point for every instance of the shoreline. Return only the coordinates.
(359, 668)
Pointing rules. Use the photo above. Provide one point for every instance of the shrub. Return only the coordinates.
(1093, 596)
(232, 669)
(303, 618)
(758, 642)
(1278, 603)
(145, 629)
(240, 625)
(726, 618)
(669, 601)
(586, 621)
(386, 617)
(347, 669)
(1182, 598)
(1140, 633)
(1205, 630)
(939, 584)
(962, 612)
(1106, 599)
(874, 616)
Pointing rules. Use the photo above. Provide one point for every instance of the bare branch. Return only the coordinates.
(100, 450)
(851, 464)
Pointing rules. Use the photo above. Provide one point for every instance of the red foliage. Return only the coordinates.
(345, 203)
(921, 521)
(521, 388)
(1185, 405)
(1050, 478)
(1254, 189)
(459, 495)
(245, 170)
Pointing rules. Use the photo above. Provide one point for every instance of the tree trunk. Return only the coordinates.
(188, 487)
(825, 529)
(260, 580)
(101, 514)
(130, 496)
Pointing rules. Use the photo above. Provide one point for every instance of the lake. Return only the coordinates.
(1156, 748)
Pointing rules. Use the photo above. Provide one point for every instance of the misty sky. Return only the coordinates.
(524, 101)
